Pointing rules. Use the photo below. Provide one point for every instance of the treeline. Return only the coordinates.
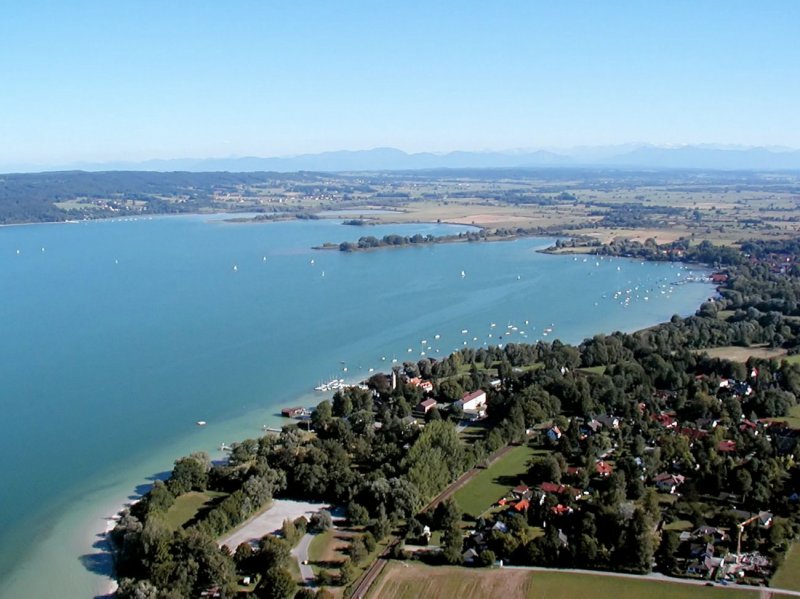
(32, 197)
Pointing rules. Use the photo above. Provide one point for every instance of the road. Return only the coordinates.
(300, 553)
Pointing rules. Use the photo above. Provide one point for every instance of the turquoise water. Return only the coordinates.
(118, 336)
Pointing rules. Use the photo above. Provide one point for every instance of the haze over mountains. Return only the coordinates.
(625, 156)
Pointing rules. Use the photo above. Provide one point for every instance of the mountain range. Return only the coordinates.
(707, 157)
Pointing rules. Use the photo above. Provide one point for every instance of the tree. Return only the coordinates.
(276, 583)
(272, 553)
(136, 589)
(321, 521)
(290, 533)
(666, 554)
(447, 514)
(358, 550)
(487, 558)
(321, 417)
(342, 404)
(450, 390)
(347, 573)
(452, 544)
(544, 469)
(190, 473)
(357, 514)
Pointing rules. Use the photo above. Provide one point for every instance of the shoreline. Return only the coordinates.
(303, 398)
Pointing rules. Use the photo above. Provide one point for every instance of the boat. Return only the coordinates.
(464, 331)
(463, 274)
(201, 423)
(235, 268)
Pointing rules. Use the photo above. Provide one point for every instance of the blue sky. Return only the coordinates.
(105, 81)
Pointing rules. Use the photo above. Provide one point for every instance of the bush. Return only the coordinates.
(321, 521)
(487, 557)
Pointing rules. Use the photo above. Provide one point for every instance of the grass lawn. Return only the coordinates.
(792, 418)
(404, 581)
(788, 575)
(188, 505)
(678, 525)
(742, 354)
(593, 369)
(491, 484)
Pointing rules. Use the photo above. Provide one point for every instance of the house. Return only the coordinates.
(495, 383)
(747, 425)
(554, 433)
(710, 531)
(603, 468)
(293, 412)
(474, 402)
(668, 483)
(591, 427)
(426, 386)
(701, 550)
(559, 490)
(500, 527)
(426, 406)
(726, 446)
(665, 419)
(608, 421)
(521, 491)
(718, 277)
(522, 505)
(765, 519)
(469, 556)
(561, 510)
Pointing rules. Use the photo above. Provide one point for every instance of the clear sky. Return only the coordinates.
(143, 79)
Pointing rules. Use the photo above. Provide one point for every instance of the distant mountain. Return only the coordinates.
(378, 159)
(706, 157)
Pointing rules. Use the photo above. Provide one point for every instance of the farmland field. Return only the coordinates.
(401, 581)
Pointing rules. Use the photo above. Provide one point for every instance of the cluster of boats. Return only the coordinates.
(331, 385)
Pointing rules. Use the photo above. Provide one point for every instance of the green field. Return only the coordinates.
(187, 506)
(788, 575)
(491, 484)
(400, 581)
(792, 417)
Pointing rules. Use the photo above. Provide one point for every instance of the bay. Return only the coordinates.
(117, 336)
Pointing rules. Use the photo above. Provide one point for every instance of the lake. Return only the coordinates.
(118, 336)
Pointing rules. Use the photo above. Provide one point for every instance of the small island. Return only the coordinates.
(670, 449)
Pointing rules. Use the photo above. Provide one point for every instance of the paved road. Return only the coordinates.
(300, 552)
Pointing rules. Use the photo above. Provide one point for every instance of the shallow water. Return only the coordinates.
(116, 337)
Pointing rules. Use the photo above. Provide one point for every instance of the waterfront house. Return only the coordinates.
(293, 412)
